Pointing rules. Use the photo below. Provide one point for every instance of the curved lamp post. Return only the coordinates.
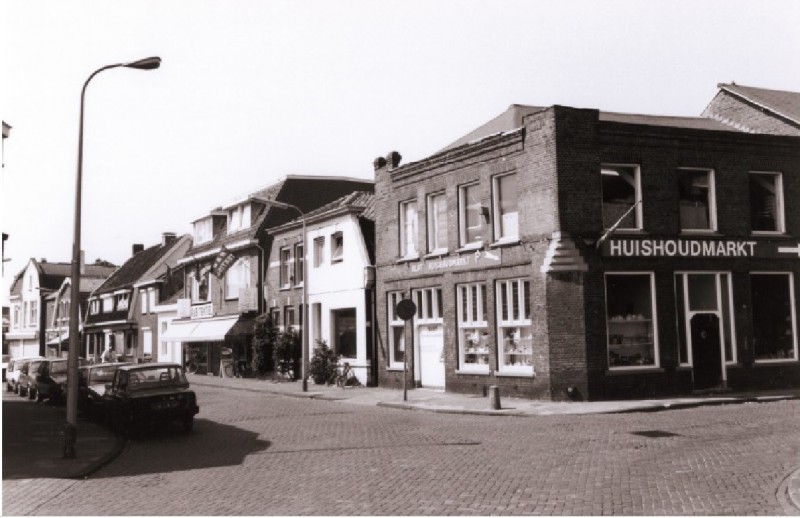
(70, 430)
(305, 341)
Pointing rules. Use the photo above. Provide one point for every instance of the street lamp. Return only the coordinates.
(305, 341)
(71, 430)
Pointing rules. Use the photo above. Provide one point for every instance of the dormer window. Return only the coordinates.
(122, 301)
(108, 304)
(203, 231)
(239, 218)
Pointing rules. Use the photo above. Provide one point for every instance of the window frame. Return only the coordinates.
(240, 268)
(299, 262)
(334, 314)
(203, 231)
(285, 268)
(793, 314)
(653, 321)
(464, 325)
(712, 202)
(436, 244)
(780, 218)
(525, 308)
(395, 322)
(638, 213)
(319, 251)
(462, 217)
(337, 238)
(497, 210)
(404, 242)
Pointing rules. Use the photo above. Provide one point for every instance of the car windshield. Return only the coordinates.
(156, 376)
(58, 368)
(102, 374)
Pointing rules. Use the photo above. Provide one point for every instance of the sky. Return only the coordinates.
(251, 91)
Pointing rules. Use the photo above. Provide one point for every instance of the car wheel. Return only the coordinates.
(39, 396)
(31, 393)
(188, 424)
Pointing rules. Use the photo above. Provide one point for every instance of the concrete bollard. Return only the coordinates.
(494, 397)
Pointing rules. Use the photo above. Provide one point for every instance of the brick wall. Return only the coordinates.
(741, 114)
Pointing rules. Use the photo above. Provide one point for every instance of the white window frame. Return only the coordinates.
(793, 309)
(15, 320)
(147, 341)
(654, 322)
(203, 231)
(469, 327)
(462, 217)
(122, 301)
(237, 278)
(337, 238)
(497, 216)
(689, 313)
(108, 303)
(609, 168)
(395, 322)
(196, 288)
(164, 343)
(286, 267)
(437, 244)
(319, 251)
(239, 218)
(513, 322)
(429, 305)
(712, 202)
(408, 230)
(780, 221)
(299, 261)
(143, 297)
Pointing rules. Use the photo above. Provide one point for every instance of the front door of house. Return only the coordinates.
(431, 356)
(706, 351)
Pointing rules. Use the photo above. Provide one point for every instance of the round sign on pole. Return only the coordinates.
(406, 309)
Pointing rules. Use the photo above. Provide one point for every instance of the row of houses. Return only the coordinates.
(555, 252)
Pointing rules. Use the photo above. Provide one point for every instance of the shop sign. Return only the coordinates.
(476, 259)
(699, 248)
(203, 310)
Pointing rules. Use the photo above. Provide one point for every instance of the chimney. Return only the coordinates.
(167, 238)
(43, 260)
(137, 248)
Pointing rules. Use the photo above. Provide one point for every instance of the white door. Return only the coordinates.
(431, 356)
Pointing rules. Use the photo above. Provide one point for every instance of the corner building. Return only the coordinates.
(564, 253)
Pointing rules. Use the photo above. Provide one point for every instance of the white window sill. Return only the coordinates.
(474, 372)
(628, 231)
(621, 371)
(408, 259)
(435, 253)
(505, 242)
(699, 232)
(470, 247)
(515, 374)
(777, 361)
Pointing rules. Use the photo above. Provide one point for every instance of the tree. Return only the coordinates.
(323, 364)
(286, 354)
(265, 335)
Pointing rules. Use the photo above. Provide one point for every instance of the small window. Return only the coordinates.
(285, 268)
(275, 318)
(696, 200)
(319, 251)
(143, 297)
(289, 322)
(471, 216)
(337, 247)
(506, 215)
(108, 305)
(202, 231)
(299, 262)
(437, 223)
(630, 317)
(621, 192)
(408, 229)
(766, 202)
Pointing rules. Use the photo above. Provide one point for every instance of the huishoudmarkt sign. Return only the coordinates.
(699, 248)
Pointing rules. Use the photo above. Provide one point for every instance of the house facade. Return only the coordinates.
(117, 307)
(57, 313)
(569, 253)
(340, 240)
(225, 269)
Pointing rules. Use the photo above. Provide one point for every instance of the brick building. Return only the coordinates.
(573, 253)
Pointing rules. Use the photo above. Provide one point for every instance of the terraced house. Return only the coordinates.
(559, 253)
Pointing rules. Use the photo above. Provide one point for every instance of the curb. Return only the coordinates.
(788, 494)
(712, 402)
(119, 445)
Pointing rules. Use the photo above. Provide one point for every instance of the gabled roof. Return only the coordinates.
(52, 275)
(133, 269)
(360, 201)
(506, 121)
(782, 103)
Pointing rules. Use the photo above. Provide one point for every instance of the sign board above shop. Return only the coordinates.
(466, 261)
(699, 248)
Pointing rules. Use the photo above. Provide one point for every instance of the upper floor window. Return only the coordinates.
(697, 200)
(766, 202)
(337, 247)
(506, 215)
(621, 188)
(122, 301)
(289, 323)
(471, 215)
(239, 218)
(15, 322)
(108, 304)
(203, 231)
(285, 268)
(200, 282)
(319, 251)
(437, 222)
(237, 278)
(275, 318)
(299, 263)
(94, 307)
(408, 229)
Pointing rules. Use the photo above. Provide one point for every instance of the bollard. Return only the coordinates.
(494, 397)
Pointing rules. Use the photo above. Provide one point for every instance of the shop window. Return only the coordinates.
(766, 202)
(630, 320)
(696, 199)
(437, 223)
(621, 192)
(506, 215)
(237, 278)
(337, 247)
(285, 268)
(772, 298)
(299, 262)
(704, 293)
(429, 305)
(319, 251)
(471, 215)
(397, 343)
(514, 326)
(408, 230)
(473, 327)
(344, 332)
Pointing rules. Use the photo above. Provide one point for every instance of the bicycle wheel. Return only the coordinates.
(191, 367)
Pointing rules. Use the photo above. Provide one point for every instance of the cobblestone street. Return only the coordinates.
(254, 453)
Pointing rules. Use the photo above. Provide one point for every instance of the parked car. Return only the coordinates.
(150, 394)
(14, 369)
(25, 374)
(92, 382)
(50, 380)
(6, 358)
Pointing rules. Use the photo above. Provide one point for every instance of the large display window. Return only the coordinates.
(473, 328)
(514, 326)
(774, 325)
(630, 320)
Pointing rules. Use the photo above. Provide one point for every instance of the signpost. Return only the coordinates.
(406, 309)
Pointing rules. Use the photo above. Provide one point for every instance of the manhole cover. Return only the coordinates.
(655, 433)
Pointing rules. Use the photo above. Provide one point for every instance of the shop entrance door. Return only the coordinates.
(706, 351)
(431, 356)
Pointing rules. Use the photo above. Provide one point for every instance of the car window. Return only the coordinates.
(58, 368)
(102, 374)
(33, 367)
(158, 376)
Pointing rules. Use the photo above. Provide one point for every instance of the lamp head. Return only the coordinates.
(145, 64)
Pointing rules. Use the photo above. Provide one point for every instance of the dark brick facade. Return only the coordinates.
(557, 156)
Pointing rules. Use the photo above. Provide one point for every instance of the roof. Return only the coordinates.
(133, 269)
(506, 121)
(780, 102)
(52, 275)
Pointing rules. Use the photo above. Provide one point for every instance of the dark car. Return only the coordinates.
(92, 382)
(26, 375)
(50, 380)
(149, 395)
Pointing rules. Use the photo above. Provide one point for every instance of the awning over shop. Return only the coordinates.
(64, 337)
(209, 330)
